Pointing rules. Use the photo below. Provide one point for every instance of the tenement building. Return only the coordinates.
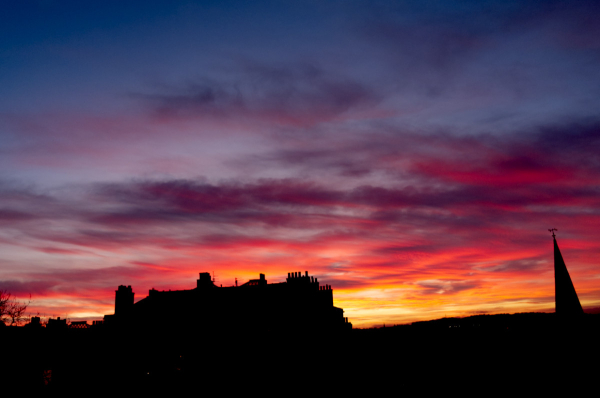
(299, 303)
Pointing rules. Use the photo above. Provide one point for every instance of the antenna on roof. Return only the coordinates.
(552, 230)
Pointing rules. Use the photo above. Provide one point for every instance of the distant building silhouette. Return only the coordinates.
(566, 300)
(123, 300)
(299, 303)
(35, 322)
(79, 325)
(57, 323)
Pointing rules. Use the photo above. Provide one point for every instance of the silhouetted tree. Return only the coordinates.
(11, 310)
(4, 300)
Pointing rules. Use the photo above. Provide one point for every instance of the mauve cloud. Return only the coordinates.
(298, 95)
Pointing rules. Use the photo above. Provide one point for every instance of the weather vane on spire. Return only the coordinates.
(552, 230)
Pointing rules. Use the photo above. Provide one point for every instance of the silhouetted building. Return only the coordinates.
(57, 323)
(299, 303)
(35, 322)
(79, 325)
(123, 300)
(566, 300)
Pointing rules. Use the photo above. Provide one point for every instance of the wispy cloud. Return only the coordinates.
(298, 95)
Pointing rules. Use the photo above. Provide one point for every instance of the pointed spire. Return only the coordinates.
(565, 296)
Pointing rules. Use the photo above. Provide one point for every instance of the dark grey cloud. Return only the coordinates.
(299, 95)
(15, 215)
(22, 290)
(520, 266)
(78, 282)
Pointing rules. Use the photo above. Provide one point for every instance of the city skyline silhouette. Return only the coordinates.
(262, 306)
(566, 301)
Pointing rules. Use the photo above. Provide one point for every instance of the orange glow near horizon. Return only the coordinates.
(459, 282)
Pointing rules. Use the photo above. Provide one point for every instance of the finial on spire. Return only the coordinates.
(552, 230)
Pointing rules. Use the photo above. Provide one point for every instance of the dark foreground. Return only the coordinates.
(520, 353)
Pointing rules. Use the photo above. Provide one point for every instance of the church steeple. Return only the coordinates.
(566, 300)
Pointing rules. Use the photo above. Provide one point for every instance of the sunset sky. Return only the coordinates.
(411, 154)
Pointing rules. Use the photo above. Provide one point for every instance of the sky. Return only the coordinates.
(410, 154)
